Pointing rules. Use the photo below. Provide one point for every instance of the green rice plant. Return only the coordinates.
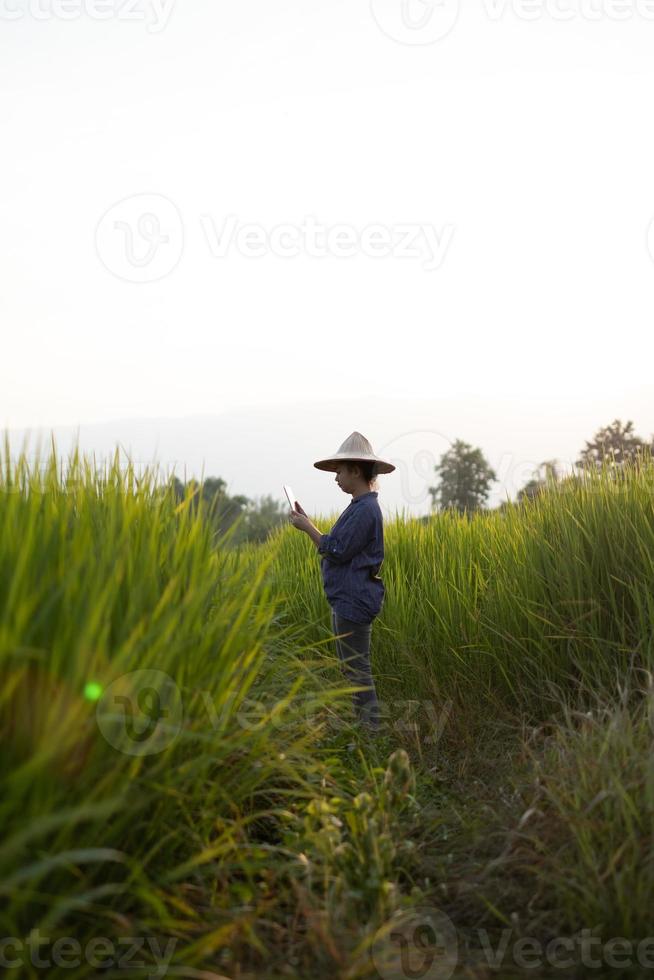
(145, 777)
(582, 832)
(528, 619)
(355, 850)
(490, 609)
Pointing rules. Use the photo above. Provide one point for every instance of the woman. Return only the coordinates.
(352, 554)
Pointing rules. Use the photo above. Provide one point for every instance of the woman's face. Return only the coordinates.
(349, 481)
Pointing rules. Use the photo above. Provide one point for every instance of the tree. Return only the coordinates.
(465, 478)
(614, 443)
(223, 509)
(263, 515)
(257, 517)
(178, 488)
(545, 474)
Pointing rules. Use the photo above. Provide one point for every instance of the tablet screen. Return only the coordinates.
(289, 496)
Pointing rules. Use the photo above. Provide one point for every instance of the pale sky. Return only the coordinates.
(508, 147)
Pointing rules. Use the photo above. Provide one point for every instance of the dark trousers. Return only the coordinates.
(354, 654)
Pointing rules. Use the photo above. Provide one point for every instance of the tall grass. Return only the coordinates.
(537, 623)
(590, 825)
(168, 764)
(147, 789)
(496, 608)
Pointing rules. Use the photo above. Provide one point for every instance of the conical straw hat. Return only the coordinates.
(356, 447)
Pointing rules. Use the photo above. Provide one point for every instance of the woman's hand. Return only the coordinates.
(300, 520)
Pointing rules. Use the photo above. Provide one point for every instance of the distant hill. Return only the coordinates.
(258, 449)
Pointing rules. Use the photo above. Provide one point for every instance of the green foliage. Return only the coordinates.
(236, 519)
(251, 837)
(465, 479)
(358, 854)
(350, 846)
(529, 620)
(546, 474)
(613, 445)
(490, 610)
(128, 810)
(575, 821)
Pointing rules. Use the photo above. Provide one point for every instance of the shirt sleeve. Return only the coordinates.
(349, 539)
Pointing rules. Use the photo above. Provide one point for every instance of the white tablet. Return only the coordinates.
(289, 496)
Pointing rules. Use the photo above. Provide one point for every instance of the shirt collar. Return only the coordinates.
(369, 493)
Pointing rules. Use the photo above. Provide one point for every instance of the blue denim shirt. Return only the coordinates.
(352, 553)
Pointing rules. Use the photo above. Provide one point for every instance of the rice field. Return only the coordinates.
(177, 795)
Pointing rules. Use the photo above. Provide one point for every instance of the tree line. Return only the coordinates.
(463, 484)
(465, 476)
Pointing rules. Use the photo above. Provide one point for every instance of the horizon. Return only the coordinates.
(321, 203)
(195, 440)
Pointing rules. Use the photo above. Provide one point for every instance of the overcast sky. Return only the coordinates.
(209, 206)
